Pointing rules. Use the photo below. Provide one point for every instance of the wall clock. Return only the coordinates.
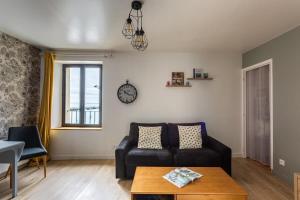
(127, 93)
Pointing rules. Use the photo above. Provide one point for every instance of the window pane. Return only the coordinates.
(92, 96)
(72, 99)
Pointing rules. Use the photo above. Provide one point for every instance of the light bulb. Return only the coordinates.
(139, 40)
(128, 29)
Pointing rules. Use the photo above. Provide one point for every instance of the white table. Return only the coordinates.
(10, 152)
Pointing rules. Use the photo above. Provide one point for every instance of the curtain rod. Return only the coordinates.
(103, 54)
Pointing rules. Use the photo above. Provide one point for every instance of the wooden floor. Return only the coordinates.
(95, 179)
(259, 182)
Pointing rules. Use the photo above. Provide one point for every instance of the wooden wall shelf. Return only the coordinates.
(178, 86)
(200, 79)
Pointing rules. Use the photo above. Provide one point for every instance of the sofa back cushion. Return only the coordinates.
(149, 137)
(190, 137)
(134, 132)
(173, 134)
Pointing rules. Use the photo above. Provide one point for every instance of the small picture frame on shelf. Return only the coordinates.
(178, 78)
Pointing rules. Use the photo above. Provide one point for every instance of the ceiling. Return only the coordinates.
(170, 25)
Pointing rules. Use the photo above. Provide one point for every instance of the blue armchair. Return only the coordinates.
(33, 145)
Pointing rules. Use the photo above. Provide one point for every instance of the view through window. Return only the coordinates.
(82, 93)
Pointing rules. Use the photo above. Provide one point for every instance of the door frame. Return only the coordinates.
(268, 62)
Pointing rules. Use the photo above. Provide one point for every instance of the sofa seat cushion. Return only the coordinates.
(149, 157)
(203, 157)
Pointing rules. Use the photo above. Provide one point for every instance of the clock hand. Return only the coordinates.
(128, 93)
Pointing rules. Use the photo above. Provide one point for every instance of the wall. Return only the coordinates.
(286, 70)
(216, 102)
(19, 83)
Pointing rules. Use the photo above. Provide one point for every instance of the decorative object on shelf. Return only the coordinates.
(205, 75)
(194, 73)
(178, 78)
(197, 73)
(135, 31)
(127, 93)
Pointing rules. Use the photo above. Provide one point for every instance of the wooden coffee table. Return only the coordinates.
(214, 185)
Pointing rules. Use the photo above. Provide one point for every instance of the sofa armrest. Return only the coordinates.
(223, 150)
(120, 153)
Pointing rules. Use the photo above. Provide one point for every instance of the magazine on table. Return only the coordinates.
(181, 176)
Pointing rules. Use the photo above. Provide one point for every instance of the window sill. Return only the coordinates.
(78, 128)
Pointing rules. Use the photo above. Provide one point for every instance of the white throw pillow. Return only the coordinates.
(190, 137)
(149, 137)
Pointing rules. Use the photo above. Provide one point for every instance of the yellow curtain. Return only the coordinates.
(44, 123)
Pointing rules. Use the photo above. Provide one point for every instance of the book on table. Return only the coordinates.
(182, 176)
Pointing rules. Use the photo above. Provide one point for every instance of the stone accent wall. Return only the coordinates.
(19, 83)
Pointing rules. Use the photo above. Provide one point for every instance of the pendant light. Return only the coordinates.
(139, 40)
(128, 29)
(138, 37)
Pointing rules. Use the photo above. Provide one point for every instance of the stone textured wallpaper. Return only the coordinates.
(19, 83)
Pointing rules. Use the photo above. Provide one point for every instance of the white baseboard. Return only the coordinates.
(81, 157)
(237, 155)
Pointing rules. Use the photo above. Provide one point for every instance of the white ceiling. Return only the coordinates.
(171, 25)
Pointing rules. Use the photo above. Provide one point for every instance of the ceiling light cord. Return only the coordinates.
(130, 13)
(141, 20)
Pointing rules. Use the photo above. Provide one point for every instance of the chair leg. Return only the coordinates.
(45, 165)
(37, 162)
(10, 177)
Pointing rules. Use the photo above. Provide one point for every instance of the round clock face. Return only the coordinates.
(127, 93)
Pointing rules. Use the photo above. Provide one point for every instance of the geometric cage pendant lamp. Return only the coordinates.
(133, 27)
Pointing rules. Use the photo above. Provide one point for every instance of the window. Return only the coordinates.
(81, 95)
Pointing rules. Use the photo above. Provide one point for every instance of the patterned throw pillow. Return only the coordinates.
(149, 137)
(190, 137)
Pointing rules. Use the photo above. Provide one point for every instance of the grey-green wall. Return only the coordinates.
(285, 51)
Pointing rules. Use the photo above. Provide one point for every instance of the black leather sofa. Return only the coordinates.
(212, 154)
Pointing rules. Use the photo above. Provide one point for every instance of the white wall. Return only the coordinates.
(216, 102)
